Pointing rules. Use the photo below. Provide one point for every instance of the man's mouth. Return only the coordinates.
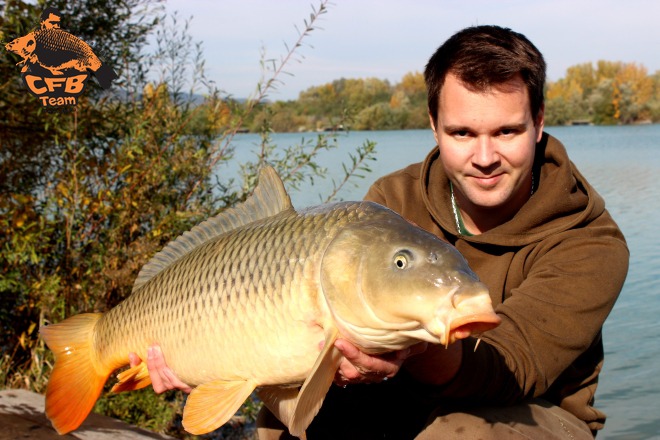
(487, 181)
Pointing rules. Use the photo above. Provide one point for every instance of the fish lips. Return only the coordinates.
(460, 327)
(475, 324)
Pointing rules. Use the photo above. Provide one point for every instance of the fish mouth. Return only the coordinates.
(452, 330)
(475, 324)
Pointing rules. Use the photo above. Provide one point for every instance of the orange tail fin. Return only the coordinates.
(78, 377)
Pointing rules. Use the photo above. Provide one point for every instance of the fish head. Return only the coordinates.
(390, 284)
(23, 46)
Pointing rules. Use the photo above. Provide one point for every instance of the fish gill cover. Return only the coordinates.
(56, 64)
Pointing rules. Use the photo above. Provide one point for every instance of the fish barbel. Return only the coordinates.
(255, 297)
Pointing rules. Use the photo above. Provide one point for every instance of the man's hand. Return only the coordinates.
(162, 377)
(359, 367)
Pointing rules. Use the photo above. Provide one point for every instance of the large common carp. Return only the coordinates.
(256, 297)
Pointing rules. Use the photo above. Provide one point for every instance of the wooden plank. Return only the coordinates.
(22, 417)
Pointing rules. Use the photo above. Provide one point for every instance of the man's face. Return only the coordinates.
(487, 141)
(52, 22)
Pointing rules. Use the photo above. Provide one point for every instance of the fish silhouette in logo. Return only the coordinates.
(56, 50)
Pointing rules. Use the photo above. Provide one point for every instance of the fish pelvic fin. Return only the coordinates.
(268, 199)
(281, 401)
(212, 404)
(316, 385)
(134, 378)
(78, 377)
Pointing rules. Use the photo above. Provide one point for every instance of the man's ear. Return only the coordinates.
(539, 123)
(433, 127)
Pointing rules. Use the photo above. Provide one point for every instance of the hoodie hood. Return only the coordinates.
(562, 200)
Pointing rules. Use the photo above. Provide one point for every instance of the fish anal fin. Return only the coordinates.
(212, 404)
(134, 378)
(78, 377)
(316, 385)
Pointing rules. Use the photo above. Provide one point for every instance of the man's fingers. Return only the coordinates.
(155, 363)
(134, 360)
(162, 376)
(175, 382)
(357, 367)
(155, 358)
(349, 350)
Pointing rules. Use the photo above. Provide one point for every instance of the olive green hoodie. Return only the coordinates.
(554, 272)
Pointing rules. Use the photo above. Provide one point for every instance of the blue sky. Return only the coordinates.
(389, 38)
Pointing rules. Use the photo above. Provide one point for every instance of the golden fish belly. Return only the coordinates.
(244, 306)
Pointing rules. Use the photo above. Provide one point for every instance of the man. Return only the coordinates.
(50, 18)
(506, 195)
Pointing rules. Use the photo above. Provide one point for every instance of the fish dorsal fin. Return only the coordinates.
(316, 385)
(268, 199)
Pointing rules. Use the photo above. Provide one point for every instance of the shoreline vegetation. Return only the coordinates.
(87, 196)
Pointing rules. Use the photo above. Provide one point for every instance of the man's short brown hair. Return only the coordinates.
(482, 57)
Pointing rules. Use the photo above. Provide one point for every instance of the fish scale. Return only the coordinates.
(255, 299)
(59, 40)
(57, 47)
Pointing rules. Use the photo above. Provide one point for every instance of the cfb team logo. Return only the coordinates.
(56, 64)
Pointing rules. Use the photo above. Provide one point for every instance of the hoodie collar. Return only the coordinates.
(562, 199)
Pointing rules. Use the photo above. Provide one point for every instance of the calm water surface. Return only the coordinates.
(623, 164)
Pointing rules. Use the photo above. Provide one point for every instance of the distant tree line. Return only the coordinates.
(604, 93)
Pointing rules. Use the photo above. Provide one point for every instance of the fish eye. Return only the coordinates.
(401, 260)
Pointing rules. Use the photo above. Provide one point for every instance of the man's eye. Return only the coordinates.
(508, 131)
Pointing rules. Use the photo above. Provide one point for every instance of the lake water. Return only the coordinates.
(623, 164)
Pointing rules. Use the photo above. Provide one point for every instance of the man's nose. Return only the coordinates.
(485, 153)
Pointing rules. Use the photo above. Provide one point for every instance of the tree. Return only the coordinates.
(602, 101)
(654, 102)
(565, 102)
(412, 85)
(361, 93)
(321, 100)
(634, 90)
(610, 93)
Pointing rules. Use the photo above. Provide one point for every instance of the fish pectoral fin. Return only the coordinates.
(212, 404)
(132, 379)
(316, 385)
